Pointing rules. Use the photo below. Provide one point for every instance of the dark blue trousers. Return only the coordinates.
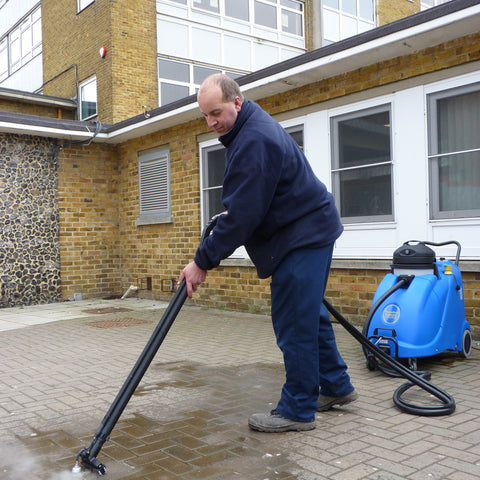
(305, 335)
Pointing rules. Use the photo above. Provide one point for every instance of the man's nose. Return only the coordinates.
(211, 121)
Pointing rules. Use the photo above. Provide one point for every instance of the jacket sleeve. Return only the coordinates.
(251, 176)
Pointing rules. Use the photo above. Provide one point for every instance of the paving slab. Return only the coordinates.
(188, 418)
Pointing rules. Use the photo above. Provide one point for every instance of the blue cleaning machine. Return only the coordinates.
(418, 309)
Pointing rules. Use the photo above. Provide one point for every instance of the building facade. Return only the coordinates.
(387, 119)
(158, 51)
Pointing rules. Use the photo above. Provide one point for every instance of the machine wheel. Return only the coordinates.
(466, 343)
(371, 362)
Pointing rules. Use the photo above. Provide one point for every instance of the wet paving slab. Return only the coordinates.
(188, 417)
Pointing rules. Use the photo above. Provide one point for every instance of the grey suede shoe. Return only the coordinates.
(273, 422)
(326, 403)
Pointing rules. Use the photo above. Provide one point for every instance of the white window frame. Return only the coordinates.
(154, 192)
(89, 81)
(434, 156)
(337, 170)
(190, 84)
(362, 24)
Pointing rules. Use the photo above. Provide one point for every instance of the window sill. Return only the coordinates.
(153, 220)
(236, 262)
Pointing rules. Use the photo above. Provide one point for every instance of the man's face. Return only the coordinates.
(220, 115)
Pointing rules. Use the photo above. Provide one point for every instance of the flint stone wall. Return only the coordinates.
(29, 222)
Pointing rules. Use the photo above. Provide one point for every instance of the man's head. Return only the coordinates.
(220, 100)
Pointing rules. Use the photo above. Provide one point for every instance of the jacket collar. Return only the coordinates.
(245, 112)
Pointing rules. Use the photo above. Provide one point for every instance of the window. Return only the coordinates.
(88, 98)
(210, 5)
(21, 44)
(344, 18)
(237, 9)
(362, 165)
(180, 79)
(81, 4)
(454, 152)
(154, 186)
(3, 59)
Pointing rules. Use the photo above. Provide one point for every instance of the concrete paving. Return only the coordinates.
(62, 366)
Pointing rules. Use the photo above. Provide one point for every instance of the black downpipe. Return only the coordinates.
(448, 403)
(88, 455)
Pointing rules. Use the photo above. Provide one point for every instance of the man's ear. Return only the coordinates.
(238, 103)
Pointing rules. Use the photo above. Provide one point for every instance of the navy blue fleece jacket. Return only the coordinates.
(275, 202)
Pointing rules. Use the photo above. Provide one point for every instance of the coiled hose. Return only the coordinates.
(448, 403)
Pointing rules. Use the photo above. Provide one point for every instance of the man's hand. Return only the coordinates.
(194, 276)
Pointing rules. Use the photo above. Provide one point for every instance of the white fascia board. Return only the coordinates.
(36, 130)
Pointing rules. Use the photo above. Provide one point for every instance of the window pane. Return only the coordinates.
(331, 3)
(211, 5)
(291, 22)
(214, 168)
(364, 140)
(331, 25)
(26, 40)
(201, 73)
(367, 10)
(237, 9)
(349, 6)
(292, 4)
(173, 70)
(170, 93)
(265, 15)
(3, 59)
(458, 120)
(349, 26)
(88, 96)
(459, 182)
(365, 192)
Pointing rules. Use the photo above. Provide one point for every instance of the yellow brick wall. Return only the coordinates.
(126, 77)
(160, 251)
(35, 109)
(88, 208)
(391, 10)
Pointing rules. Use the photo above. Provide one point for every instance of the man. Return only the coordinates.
(287, 220)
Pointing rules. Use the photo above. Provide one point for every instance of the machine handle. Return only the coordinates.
(449, 242)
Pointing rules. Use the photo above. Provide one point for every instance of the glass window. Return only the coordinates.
(265, 15)
(201, 73)
(154, 184)
(170, 93)
(362, 165)
(173, 70)
(3, 59)
(210, 5)
(292, 22)
(237, 9)
(454, 152)
(345, 18)
(88, 98)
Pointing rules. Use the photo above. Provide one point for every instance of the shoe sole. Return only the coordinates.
(337, 403)
(287, 428)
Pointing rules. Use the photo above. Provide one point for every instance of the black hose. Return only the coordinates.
(448, 403)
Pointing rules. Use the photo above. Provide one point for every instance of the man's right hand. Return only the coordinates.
(194, 276)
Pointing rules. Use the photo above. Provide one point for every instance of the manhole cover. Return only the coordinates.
(117, 322)
(101, 311)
